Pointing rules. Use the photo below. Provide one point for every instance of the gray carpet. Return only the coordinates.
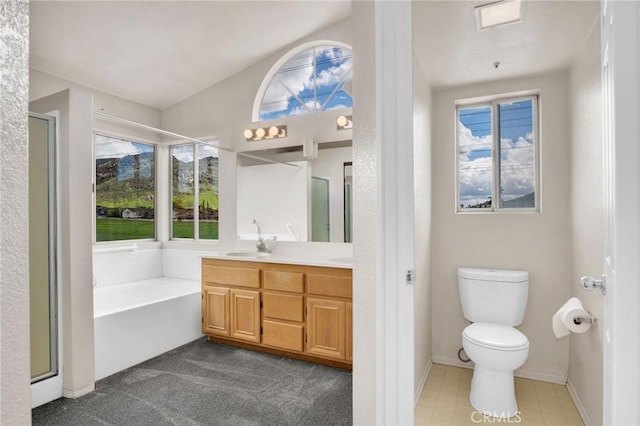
(205, 383)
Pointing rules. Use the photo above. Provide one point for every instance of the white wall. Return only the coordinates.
(535, 242)
(42, 84)
(225, 109)
(273, 195)
(422, 205)
(15, 394)
(76, 212)
(587, 225)
(366, 365)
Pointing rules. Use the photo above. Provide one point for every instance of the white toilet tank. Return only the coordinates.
(496, 296)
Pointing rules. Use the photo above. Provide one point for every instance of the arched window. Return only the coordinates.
(310, 78)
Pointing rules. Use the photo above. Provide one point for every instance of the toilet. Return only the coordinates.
(494, 301)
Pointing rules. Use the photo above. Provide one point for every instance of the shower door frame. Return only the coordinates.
(48, 386)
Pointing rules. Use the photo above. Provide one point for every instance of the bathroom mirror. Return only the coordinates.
(295, 199)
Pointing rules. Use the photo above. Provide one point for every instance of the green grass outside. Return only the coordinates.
(184, 229)
(185, 201)
(111, 229)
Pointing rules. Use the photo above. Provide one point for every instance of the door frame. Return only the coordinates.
(620, 50)
(50, 388)
(395, 241)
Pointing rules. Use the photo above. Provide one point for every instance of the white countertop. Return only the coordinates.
(289, 258)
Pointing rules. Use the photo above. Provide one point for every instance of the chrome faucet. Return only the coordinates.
(261, 246)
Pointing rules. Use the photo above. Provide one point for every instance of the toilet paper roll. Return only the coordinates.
(563, 320)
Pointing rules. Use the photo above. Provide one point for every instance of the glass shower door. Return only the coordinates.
(42, 248)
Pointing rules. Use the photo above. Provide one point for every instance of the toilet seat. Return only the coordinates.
(495, 336)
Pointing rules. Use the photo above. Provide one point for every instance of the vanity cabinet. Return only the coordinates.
(283, 309)
(215, 310)
(293, 310)
(231, 301)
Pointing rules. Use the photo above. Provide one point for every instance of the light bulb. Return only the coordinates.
(248, 134)
(342, 121)
(260, 133)
(273, 131)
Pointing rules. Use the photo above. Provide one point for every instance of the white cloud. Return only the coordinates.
(518, 170)
(107, 147)
(297, 75)
(333, 53)
(330, 76)
(475, 174)
(293, 75)
(205, 151)
(311, 105)
(467, 142)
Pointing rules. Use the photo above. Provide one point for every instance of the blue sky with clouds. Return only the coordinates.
(291, 92)
(516, 152)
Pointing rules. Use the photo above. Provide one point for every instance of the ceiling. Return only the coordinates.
(159, 53)
(453, 52)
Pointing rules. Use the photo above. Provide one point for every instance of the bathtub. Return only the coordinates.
(139, 320)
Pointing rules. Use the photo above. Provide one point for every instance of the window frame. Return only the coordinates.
(275, 68)
(493, 102)
(156, 176)
(196, 191)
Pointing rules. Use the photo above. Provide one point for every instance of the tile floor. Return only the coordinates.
(445, 401)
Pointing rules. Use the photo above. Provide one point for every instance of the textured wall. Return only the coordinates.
(422, 206)
(587, 223)
(535, 242)
(365, 364)
(15, 393)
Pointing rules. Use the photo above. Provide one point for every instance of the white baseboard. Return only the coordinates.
(70, 393)
(578, 403)
(454, 362)
(525, 374)
(423, 380)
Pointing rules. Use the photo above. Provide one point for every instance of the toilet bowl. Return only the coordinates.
(494, 301)
(496, 350)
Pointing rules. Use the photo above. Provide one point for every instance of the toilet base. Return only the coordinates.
(492, 392)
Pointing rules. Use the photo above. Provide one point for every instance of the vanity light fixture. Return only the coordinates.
(499, 13)
(344, 122)
(264, 133)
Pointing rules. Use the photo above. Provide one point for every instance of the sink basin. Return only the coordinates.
(248, 254)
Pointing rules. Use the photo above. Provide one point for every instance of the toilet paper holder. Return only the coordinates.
(589, 320)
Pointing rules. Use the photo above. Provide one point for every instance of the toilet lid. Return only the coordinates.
(495, 336)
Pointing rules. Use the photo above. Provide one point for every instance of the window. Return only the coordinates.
(497, 144)
(195, 201)
(312, 79)
(125, 189)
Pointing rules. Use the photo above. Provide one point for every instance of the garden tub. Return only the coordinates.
(139, 320)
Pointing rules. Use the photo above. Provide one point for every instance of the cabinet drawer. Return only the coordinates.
(282, 306)
(281, 335)
(284, 281)
(243, 277)
(329, 285)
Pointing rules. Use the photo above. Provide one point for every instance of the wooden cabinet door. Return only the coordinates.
(215, 310)
(326, 327)
(245, 315)
(349, 335)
